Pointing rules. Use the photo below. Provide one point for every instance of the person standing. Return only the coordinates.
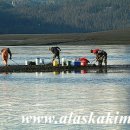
(4, 53)
(56, 52)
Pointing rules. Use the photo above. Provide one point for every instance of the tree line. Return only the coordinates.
(71, 16)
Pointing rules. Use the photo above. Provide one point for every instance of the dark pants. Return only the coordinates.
(105, 60)
(101, 60)
(100, 63)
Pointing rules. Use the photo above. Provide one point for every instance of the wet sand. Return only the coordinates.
(113, 37)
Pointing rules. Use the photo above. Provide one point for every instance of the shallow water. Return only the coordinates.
(116, 54)
(53, 94)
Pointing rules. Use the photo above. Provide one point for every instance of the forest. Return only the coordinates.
(63, 16)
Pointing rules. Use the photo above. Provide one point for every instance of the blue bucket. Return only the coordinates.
(77, 63)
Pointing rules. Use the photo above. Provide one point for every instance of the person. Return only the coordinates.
(101, 56)
(5, 52)
(56, 52)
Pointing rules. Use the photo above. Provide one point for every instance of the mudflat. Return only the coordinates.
(119, 37)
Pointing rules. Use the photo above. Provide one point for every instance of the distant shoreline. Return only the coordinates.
(118, 37)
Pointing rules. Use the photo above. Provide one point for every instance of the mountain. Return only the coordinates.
(63, 16)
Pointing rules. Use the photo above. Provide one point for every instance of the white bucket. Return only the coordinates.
(63, 62)
(38, 61)
(27, 62)
(41, 61)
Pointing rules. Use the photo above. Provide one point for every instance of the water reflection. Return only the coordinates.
(85, 71)
(60, 93)
(102, 70)
(56, 72)
(46, 94)
(5, 73)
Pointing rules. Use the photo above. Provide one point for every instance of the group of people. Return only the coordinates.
(101, 55)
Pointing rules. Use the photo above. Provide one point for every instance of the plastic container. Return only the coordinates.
(84, 61)
(55, 63)
(68, 63)
(41, 61)
(37, 61)
(63, 62)
(32, 63)
(77, 63)
(27, 62)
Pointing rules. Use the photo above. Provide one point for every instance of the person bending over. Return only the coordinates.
(56, 52)
(5, 52)
(101, 56)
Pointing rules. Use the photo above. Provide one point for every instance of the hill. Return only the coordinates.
(63, 16)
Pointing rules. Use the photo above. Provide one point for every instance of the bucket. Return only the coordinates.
(63, 62)
(68, 63)
(55, 63)
(83, 63)
(37, 61)
(77, 63)
(32, 63)
(41, 61)
(27, 62)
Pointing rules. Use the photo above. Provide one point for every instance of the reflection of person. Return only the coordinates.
(102, 70)
(4, 53)
(56, 52)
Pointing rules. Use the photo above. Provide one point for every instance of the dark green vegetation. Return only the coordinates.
(110, 37)
(63, 16)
